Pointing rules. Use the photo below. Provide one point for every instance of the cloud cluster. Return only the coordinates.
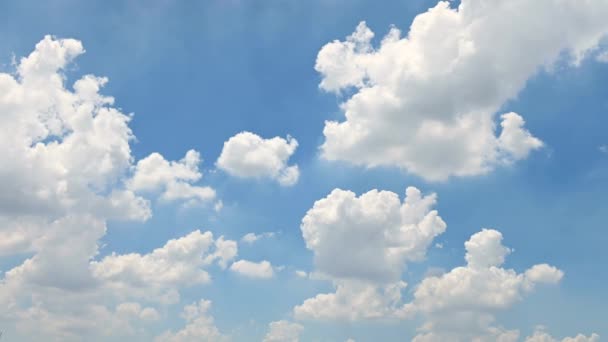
(459, 305)
(171, 178)
(425, 101)
(67, 170)
(247, 155)
(362, 244)
(179, 263)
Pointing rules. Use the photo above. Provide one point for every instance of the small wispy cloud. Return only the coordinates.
(602, 57)
(252, 237)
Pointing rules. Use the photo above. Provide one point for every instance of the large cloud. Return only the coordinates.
(370, 237)
(67, 170)
(178, 264)
(63, 151)
(172, 179)
(362, 244)
(460, 305)
(426, 101)
(248, 155)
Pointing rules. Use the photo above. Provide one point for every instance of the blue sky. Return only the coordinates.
(196, 74)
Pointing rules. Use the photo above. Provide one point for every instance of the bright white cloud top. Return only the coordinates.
(362, 244)
(262, 269)
(250, 238)
(247, 155)
(425, 101)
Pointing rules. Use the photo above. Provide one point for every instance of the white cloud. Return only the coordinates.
(602, 57)
(62, 255)
(253, 237)
(540, 335)
(132, 309)
(283, 331)
(124, 322)
(248, 155)
(262, 269)
(460, 305)
(514, 140)
(543, 273)
(250, 238)
(426, 101)
(172, 179)
(66, 172)
(63, 151)
(362, 244)
(370, 237)
(485, 249)
(301, 274)
(68, 288)
(225, 252)
(353, 300)
(200, 326)
(218, 206)
(177, 264)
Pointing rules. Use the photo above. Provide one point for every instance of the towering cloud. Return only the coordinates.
(248, 155)
(362, 244)
(426, 101)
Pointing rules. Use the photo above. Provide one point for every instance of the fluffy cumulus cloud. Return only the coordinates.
(179, 263)
(540, 335)
(460, 305)
(283, 331)
(352, 301)
(200, 326)
(362, 244)
(426, 101)
(66, 288)
(67, 170)
(262, 269)
(248, 155)
(172, 179)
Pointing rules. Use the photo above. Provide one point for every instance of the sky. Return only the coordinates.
(281, 170)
